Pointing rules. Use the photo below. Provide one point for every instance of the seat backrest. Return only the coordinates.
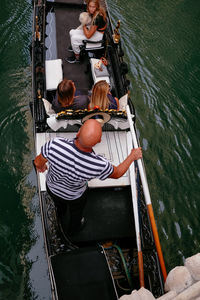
(54, 73)
(92, 46)
(83, 274)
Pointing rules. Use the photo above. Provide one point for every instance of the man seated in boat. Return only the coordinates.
(93, 33)
(101, 97)
(68, 98)
(72, 163)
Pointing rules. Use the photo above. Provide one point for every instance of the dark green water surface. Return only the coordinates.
(161, 44)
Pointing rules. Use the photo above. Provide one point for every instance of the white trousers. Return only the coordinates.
(77, 36)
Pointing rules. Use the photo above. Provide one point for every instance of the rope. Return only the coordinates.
(125, 266)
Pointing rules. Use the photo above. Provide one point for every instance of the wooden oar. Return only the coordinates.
(135, 211)
(147, 198)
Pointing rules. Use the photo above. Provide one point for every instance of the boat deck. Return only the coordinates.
(62, 17)
(61, 20)
(109, 216)
(109, 209)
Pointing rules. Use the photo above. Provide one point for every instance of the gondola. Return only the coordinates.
(118, 250)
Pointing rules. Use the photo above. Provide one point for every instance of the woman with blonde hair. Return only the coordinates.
(102, 98)
(93, 33)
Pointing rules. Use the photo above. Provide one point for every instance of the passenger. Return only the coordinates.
(94, 33)
(72, 163)
(68, 98)
(102, 97)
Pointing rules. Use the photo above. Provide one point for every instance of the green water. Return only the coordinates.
(161, 43)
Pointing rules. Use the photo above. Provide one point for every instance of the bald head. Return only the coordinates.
(90, 133)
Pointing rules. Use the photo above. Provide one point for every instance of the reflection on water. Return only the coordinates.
(161, 47)
(23, 269)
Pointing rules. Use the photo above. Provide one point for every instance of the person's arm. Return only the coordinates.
(40, 163)
(89, 32)
(121, 169)
(117, 101)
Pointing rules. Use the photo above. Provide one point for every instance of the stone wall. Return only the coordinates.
(182, 283)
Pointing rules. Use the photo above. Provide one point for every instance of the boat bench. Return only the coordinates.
(83, 274)
(53, 73)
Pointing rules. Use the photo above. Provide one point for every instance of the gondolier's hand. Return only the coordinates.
(136, 153)
(42, 169)
(121, 169)
(40, 163)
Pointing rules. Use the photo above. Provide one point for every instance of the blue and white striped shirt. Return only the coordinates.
(70, 168)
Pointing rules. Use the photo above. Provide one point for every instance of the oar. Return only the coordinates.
(135, 211)
(147, 198)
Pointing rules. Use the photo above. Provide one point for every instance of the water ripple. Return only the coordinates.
(14, 28)
(162, 51)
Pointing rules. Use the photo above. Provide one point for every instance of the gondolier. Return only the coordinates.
(72, 163)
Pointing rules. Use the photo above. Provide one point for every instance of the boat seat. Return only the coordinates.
(69, 118)
(98, 77)
(91, 46)
(54, 73)
(94, 48)
(83, 274)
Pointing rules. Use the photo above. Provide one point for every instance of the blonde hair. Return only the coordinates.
(99, 9)
(99, 95)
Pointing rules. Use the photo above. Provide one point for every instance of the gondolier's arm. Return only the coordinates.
(40, 163)
(121, 169)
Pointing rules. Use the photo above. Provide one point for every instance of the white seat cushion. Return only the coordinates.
(92, 45)
(123, 101)
(54, 73)
(93, 61)
(106, 78)
(48, 107)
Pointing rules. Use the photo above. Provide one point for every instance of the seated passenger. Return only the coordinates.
(93, 33)
(102, 98)
(68, 98)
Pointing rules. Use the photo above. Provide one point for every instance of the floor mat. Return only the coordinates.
(109, 216)
(67, 19)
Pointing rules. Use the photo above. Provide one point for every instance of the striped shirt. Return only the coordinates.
(70, 168)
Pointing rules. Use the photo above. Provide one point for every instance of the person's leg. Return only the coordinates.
(60, 204)
(76, 208)
(77, 36)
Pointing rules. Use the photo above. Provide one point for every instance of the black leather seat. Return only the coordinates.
(83, 274)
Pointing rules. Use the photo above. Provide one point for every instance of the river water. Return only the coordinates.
(161, 44)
